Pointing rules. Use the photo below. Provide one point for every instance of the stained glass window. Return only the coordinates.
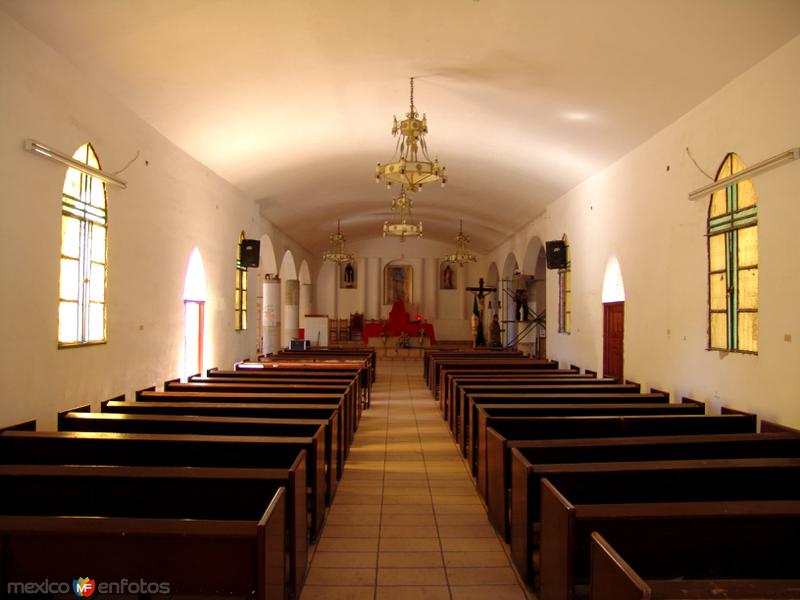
(84, 267)
(240, 294)
(565, 293)
(733, 263)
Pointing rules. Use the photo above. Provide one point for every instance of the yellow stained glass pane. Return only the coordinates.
(97, 283)
(97, 326)
(747, 194)
(748, 246)
(748, 288)
(80, 153)
(716, 252)
(748, 332)
(244, 319)
(719, 203)
(244, 280)
(717, 295)
(735, 164)
(69, 280)
(567, 322)
(237, 299)
(718, 331)
(72, 183)
(97, 192)
(98, 243)
(68, 322)
(91, 157)
(70, 236)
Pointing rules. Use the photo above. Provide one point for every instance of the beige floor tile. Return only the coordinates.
(337, 518)
(330, 544)
(409, 545)
(325, 592)
(406, 500)
(360, 560)
(466, 531)
(350, 531)
(410, 559)
(476, 518)
(487, 592)
(408, 531)
(411, 576)
(460, 509)
(412, 592)
(496, 558)
(481, 575)
(407, 509)
(470, 545)
(418, 520)
(358, 499)
(355, 509)
(340, 576)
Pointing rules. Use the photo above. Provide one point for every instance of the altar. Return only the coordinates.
(399, 322)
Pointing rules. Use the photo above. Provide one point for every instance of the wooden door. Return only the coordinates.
(613, 335)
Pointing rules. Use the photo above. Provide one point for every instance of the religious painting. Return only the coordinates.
(347, 276)
(447, 277)
(397, 284)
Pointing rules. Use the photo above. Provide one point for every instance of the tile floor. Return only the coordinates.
(406, 521)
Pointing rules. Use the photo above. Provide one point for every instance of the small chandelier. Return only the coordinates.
(462, 254)
(337, 254)
(403, 205)
(411, 166)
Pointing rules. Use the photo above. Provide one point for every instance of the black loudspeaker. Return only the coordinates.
(556, 254)
(249, 251)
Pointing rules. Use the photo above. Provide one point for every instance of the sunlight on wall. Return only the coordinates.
(613, 288)
(194, 287)
(194, 297)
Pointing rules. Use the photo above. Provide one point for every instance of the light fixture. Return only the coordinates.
(764, 165)
(337, 253)
(403, 205)
(462, 254)
(46, 151)
(411, 166)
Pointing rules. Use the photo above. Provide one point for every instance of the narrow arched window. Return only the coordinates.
(565, 293)
(733, 263)
(82, 281)
(240, 298)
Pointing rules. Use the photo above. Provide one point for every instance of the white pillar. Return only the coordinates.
(373, 287)
(462, 293)
(431, 290)
(305, 303)
(291, 310)
(361, 284)
(271, 315)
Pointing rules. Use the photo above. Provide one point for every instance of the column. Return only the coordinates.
(305, 303)
(431, 289)
(373, 288)
(462, 293)
(291, 310)
(362, 287)
(271, 315)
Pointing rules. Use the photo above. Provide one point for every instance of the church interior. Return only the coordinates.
(359, 199)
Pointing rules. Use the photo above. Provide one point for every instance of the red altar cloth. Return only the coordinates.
(399, 322)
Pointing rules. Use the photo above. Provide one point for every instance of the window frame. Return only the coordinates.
(240, 290)
(565, 292)
(88, 216)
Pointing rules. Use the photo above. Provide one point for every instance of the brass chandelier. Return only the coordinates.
(462, 254)
(337, 252)
(411, 166)
(402, 204)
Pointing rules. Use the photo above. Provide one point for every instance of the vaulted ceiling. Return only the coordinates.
(292, 100)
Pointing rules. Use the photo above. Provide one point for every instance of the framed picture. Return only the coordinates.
(397, 280)
(348, 276)
(447, 277)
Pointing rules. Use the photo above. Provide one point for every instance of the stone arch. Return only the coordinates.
(267, 263)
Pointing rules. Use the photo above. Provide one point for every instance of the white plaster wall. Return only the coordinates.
(442, 307)
(637, 210)
(172, 204)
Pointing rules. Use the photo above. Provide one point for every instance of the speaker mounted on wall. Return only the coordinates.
(249, 251)
(556, 251)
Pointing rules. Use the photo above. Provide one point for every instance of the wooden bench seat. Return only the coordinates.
(202, 531)
(648, 501)
(527, 456)
(707, 567)
(440, 366)
(310, 434)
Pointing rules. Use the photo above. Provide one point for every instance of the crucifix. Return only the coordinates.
(478, 339)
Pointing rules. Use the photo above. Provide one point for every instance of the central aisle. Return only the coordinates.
(406, 521)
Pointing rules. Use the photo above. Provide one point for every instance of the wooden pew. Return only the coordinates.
(526, 456)
(498, 472)
(333, 431)
(431, 353)
(699, 567)
(149, 450)
(24, 426)
(504, 432)
(440, 366)
(310, 432)
(470, 442)
(334, 352)
(644, 501)
(202, 531)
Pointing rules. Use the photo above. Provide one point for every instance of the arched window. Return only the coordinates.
(82, 282)
(240, 298)
(565, 293)
(733, 263)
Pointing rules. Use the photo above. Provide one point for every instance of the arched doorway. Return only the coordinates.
(510, 267)
(194, 299)
(613, 321)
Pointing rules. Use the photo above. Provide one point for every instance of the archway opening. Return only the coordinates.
(195, 294)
